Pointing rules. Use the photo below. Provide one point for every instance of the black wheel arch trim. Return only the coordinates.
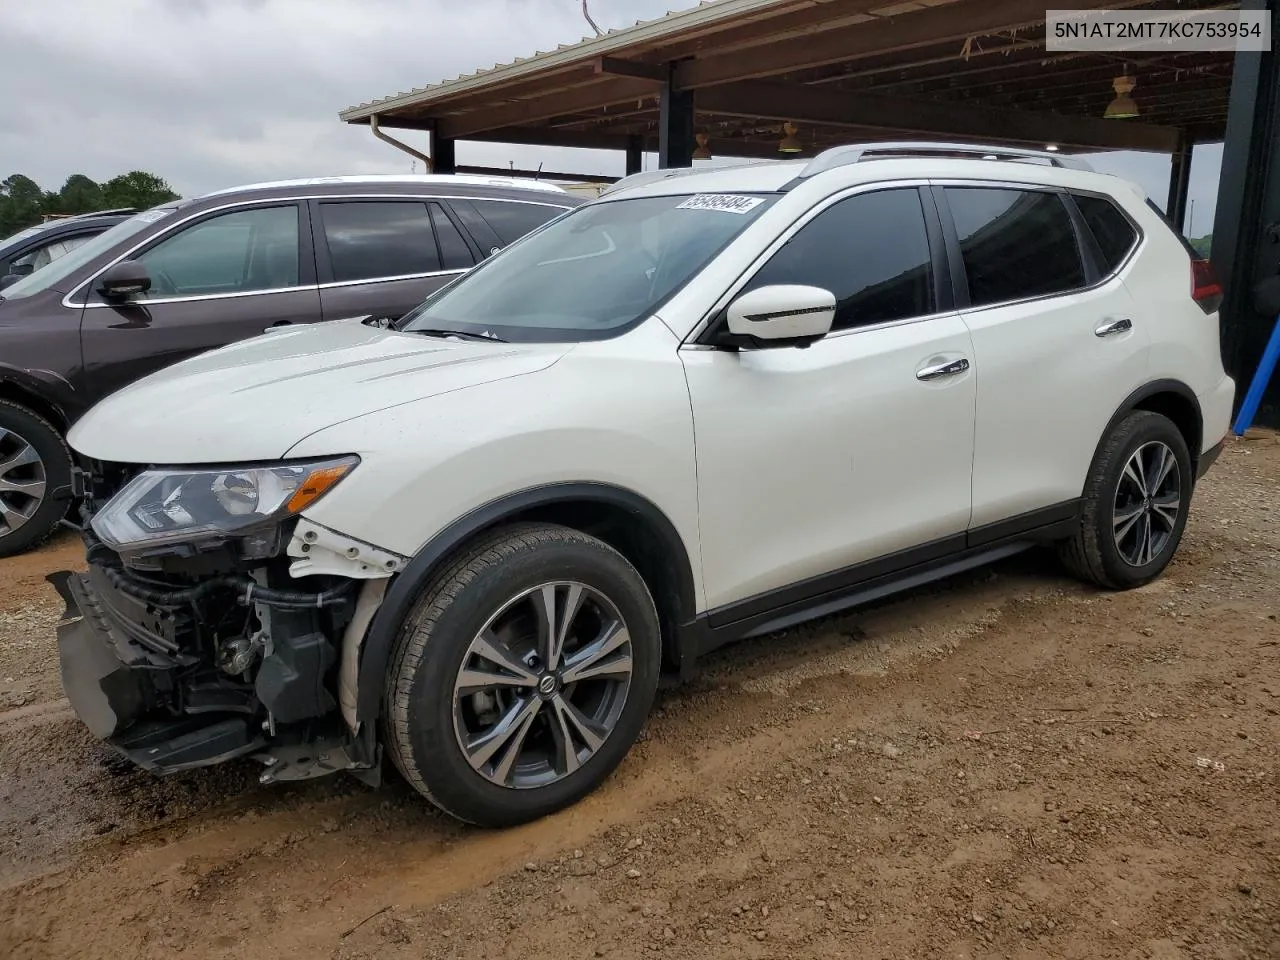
(403, 591)
(46, 388)
(1134, 400)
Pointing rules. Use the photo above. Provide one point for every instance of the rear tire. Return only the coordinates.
(1135, 504)
(34, 463)
(499, 712)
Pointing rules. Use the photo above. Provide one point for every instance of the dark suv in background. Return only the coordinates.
(187, 276)
(26, 251)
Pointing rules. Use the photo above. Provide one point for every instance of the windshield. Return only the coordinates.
(591, 273)
(59, 269)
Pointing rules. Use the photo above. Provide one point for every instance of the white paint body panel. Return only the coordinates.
(610, 411)
(1047, 386)
(255, 399)
(816, 459)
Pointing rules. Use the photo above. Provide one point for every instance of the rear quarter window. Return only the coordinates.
(1114, 235)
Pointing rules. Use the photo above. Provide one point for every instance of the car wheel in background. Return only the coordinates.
(34, 464)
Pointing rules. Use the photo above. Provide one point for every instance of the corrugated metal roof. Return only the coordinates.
(614, 41)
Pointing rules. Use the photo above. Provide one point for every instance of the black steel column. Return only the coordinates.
(675, 127)
(1180, 183)
(635, 154)
(443, 157)
(1248, 204)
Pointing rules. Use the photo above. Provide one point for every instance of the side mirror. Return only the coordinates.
(128, 278)
(9, 279)
(22, 269)
(782, 315)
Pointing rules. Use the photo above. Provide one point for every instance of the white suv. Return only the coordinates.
(707, 406)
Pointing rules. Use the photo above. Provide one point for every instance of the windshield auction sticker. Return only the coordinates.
(724, 202)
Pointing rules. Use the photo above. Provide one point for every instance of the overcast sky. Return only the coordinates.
(214, 93)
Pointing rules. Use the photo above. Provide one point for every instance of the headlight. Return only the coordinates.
(161, 506)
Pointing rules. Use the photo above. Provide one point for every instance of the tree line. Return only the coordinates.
(23, 203)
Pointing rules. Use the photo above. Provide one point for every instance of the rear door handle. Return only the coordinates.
(1112, 327)
(948, 369)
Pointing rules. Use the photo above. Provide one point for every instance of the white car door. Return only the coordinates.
(814, 460)
(1057, 340)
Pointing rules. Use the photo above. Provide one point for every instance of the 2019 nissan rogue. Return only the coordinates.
(704, 407)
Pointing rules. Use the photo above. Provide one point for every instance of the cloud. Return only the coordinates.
(211, 93)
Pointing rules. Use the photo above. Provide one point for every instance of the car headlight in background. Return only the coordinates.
(163, 506)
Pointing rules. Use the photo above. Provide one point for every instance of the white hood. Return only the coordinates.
(255, 399)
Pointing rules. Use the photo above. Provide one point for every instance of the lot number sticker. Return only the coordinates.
(724, 202)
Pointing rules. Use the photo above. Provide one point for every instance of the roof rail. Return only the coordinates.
(655, 176)
(858, 152)
(117, 211)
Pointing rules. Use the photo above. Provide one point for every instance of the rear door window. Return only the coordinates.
(379, 239)
(1016, 244)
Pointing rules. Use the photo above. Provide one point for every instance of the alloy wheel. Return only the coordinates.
(542, 685)
(22, 481)
(1148, 503)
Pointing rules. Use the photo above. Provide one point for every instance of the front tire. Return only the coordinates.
(1135, 504)
(523, 675)
(34, 463)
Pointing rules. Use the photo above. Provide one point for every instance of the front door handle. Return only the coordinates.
(1112, 327)
(948, 369)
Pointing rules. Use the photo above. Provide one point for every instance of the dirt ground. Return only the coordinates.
(1005, 765)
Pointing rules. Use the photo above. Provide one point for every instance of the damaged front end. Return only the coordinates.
(213, 622)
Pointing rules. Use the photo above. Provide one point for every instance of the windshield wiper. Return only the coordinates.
(464, 334)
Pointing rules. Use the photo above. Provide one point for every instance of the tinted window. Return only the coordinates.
(1015, 243)
(233, 253)
(454, 252)
(870, 250)
(511, 221)
(379, 239)
(1111, 229)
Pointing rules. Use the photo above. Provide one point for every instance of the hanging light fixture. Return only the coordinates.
(1123, 106)
(789, 143)
(703, 152)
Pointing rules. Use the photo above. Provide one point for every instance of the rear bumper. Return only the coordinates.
(1207, 459)
(1215, 416)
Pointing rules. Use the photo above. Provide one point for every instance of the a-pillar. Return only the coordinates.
(1246, 226)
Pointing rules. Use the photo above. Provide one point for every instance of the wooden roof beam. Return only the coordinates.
(905, 32)
(776, 101)
(580, 100)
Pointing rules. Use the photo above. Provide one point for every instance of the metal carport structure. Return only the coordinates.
(726, 77)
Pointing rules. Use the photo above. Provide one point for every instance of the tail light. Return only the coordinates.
(1205, 288)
